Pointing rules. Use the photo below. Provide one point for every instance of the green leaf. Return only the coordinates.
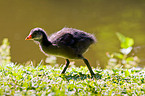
(120, 56)
(129, 59)
(120, 37)
(125, 41)
(129, 42)
(126, 73)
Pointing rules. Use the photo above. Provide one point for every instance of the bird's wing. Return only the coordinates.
(65, 39)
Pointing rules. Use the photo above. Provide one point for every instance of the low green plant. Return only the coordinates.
(123, 58)
(5, 52)
(19, 80)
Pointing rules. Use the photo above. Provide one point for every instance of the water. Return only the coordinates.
(103, 18)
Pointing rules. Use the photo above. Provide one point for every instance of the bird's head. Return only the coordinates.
(36, 34)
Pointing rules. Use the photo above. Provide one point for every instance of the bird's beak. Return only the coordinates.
(29, 37)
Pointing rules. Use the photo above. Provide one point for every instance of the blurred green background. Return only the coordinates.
(103, 18)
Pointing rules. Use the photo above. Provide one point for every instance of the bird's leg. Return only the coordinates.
(88, 65)
(66, 65)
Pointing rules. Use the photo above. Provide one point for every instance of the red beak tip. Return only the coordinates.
(29, 37)
(26, 38)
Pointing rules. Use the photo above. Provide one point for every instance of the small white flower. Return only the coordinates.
(126, 51)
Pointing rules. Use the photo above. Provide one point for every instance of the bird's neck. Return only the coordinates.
(45, 41)
(47, 47)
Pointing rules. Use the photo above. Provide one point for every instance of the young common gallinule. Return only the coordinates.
(69, 43)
